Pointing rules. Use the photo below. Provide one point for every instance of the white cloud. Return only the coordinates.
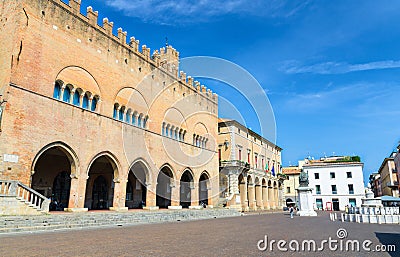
(294, 67)
(188, 11)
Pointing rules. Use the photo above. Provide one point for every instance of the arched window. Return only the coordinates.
(139, 122)
(67, 94)
(85, 101)
(77, 98)
(176, 134)
(171, 132)
(163, 129)
(94, 104)
(128, 116)
(134, 118)
(145, 121)
(57, 90)
(115, 114)
(121, 114)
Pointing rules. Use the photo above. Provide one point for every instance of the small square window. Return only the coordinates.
(332, 174)
(349, 175)
(316, 175)
(288, 190)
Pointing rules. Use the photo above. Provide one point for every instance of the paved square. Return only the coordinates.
(216, 237)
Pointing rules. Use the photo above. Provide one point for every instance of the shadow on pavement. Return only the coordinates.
(387, 240)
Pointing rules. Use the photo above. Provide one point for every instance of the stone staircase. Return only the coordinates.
(10, 224)
(18, 199)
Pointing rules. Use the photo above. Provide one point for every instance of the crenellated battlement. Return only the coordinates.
(166, 58)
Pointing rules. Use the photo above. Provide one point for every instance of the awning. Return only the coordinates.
(388, 198)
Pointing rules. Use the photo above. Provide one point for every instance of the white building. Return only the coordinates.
(337, 182)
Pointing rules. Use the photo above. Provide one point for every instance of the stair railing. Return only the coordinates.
(14, 188)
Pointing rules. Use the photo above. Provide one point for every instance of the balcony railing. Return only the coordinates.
(351, 192)
(334, 192)
(236, 163)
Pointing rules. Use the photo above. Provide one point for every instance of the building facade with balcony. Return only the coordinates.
(336, 182)
(375, 183)
(389, 176)
(250, 165)
(291, 184)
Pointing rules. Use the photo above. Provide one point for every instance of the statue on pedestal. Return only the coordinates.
(303, 179)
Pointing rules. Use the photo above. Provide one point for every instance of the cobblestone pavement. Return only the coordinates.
(216, 237)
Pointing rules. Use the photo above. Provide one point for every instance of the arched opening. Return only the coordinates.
(136, 188)
(57, 90)
(186, 186)
(250, 192)
(77, 98)
(128, 115)
(52, 176)
(203, 189)
(242, 191)
(67, 93)
(264, 193)
(85, 101)
(121, 113)
(270, 194)
(115, 112)
(140, 120)
(94, 103)
(100, 184)
(164, 183)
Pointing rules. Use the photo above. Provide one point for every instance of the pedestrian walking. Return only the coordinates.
(291, 211)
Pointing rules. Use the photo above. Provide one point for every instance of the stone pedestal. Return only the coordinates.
(119, 209)
(306, 202)
(75, 209)
(174, 207)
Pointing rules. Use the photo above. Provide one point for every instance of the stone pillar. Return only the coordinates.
(276, 197)
(259, 197)
(175, 196)
(77, 194)
(270, 198)
(252, 198)
(265, 197)
(119, 196)
(194, 198)
(151, 197)
(243, 196)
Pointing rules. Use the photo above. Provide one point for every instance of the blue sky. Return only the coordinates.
(331, 69)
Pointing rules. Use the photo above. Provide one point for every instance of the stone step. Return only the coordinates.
(81, 220)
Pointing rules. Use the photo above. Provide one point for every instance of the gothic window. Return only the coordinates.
(115, 114)
(67, 94)
(85, 101)
(57, 90)
(94, 104)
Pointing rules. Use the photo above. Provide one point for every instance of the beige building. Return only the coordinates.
(93, 121)
(388, 177)
(249, 168)
(291, 184)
